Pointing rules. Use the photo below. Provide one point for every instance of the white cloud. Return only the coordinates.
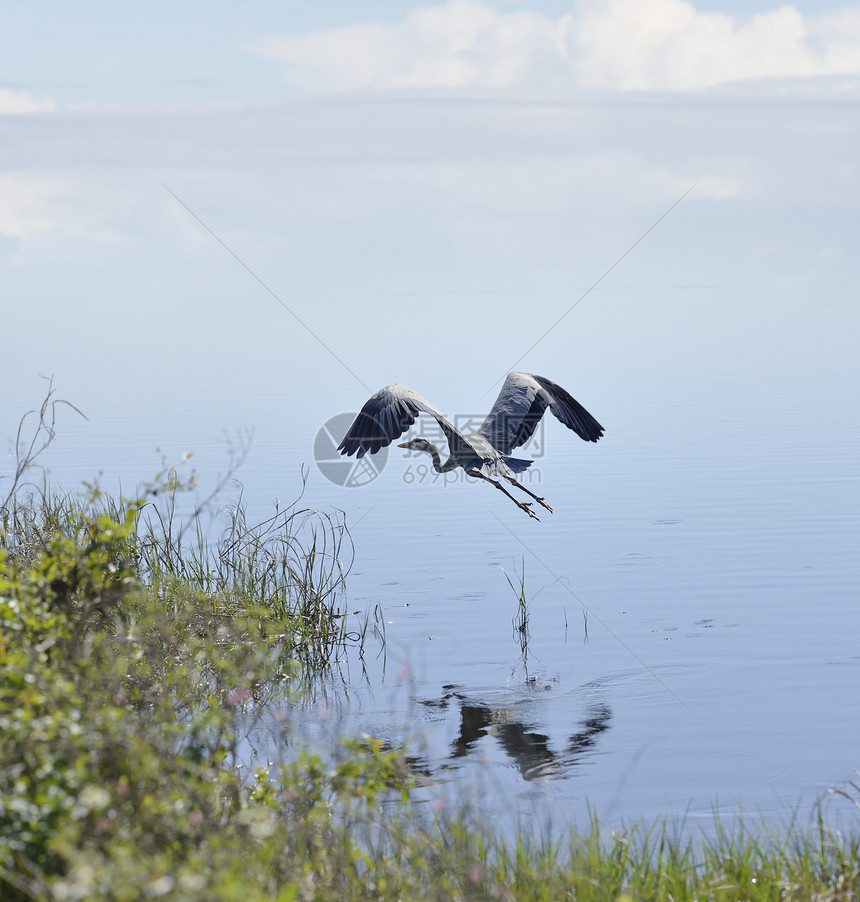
(616, 45)
(19, 102)
(460, 44)
(27, 204)
(61, 215)
(668, 45)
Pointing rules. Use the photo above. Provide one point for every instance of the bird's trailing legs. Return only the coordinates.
(524, 505)
(520, 486)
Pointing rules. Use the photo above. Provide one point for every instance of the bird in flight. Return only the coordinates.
(483, 454)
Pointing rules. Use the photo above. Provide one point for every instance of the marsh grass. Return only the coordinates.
(518, 587)
(522, 616)
(283, 578)
(289, 570)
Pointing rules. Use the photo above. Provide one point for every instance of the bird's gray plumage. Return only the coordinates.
(511, 422)
(522, 401)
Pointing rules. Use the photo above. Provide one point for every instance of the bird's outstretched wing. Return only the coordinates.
(521, 403)
(386, 416)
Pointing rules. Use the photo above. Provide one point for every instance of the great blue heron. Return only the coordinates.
(483, 454)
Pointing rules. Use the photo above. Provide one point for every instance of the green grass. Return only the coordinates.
(281, 579)
(133, 654)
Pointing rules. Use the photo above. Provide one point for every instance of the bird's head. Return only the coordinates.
(417, 444)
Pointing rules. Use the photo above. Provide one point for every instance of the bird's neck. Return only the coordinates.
(438, 466)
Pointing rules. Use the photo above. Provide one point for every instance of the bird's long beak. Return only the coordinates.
(402, 446)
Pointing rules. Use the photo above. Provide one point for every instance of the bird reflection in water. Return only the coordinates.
(529, 749)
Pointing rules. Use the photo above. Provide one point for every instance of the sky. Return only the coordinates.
(94, 56)
(256, 214)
